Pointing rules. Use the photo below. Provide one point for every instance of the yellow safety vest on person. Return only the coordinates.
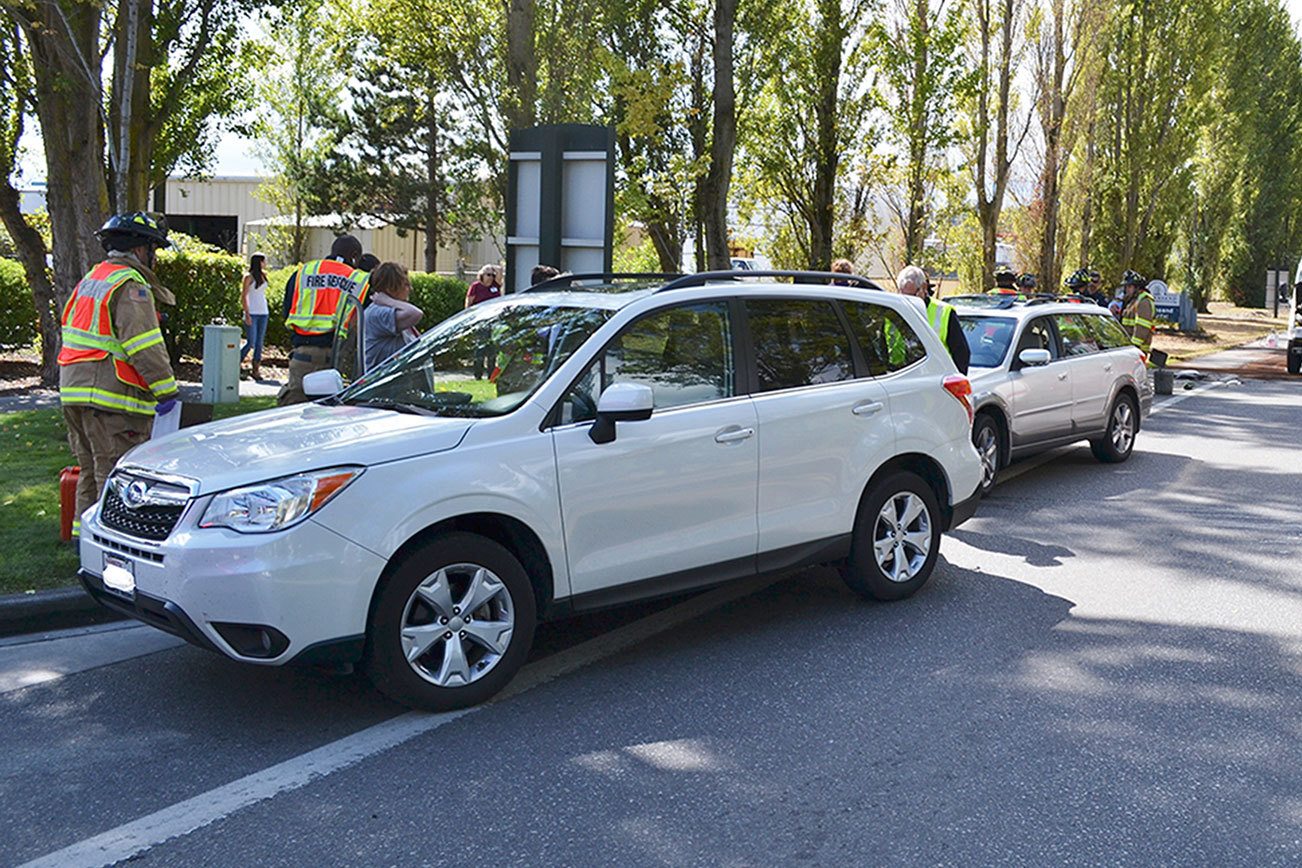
(938, 319)
(89, 337)
(319, 289)
(1137, 320)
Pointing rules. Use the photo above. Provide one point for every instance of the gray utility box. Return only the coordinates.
(221, 364)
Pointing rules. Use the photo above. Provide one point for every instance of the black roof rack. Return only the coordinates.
(565, 281)
(690, 280)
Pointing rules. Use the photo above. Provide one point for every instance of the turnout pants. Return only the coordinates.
(99, 438)
(302, 361)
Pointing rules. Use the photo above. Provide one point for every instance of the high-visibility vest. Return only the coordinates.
(88, 333)
(938, 318)
(319, 289)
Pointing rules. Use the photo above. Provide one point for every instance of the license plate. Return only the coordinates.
(120, 576)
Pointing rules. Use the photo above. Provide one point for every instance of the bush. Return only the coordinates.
(207, 287)
(438, 296)
(17, 314)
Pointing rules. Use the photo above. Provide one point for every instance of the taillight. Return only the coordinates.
(1143, 357)
(961, 388)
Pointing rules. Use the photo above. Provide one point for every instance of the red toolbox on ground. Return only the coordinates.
(67, 500)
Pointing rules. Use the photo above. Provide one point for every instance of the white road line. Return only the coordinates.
(185, 817)
(1016, 470)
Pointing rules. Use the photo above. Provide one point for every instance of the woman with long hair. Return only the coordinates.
(253, 299)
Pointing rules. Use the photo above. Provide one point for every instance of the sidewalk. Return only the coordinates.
(1257, 360)
(37, 399)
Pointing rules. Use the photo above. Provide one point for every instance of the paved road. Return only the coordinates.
(1107, 668)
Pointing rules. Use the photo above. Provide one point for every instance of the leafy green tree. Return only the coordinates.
(917, 54)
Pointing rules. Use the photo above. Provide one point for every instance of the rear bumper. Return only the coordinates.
(963, 510)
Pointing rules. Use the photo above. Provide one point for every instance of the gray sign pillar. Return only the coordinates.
(560, 205)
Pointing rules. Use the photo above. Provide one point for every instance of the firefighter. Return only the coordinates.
(313, 296)
(1078, 282)
(1137, 311)
(114, 374)
(1005, 282)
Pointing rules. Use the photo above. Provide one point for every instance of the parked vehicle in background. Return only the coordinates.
(1047, 373)
(635, 438)
(1295, 324)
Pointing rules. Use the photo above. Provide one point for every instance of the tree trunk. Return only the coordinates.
(129, 105)
(65, 62)
(718, 179)
(31, 253)
(521, 65)
(668, 244)
(432, 177)
(830, 43)
(916, 177)
(1087, 211)
(1051, 176)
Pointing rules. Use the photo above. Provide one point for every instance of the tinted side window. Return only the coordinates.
(1077, 337)
(684, 354)
(1107, 332)
(887, 341)
(798, 343)
(1038, 335)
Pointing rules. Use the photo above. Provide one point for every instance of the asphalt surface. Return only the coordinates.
(1105, 669)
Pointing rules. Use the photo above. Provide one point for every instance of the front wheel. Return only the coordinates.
(1118, 441)
(896, 539)
(986, 439)
(452, 624)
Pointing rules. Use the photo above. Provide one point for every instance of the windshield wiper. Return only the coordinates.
(398, 406)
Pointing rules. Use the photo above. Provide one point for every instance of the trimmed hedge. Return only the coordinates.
(17, 315)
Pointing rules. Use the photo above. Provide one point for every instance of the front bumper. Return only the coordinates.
(308, 584)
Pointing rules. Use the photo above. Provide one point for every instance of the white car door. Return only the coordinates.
(822, 431)
(1091, 371)
(674, 493)
(1041, 397)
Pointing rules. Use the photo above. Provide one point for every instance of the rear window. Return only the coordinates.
(887, 341)
(988, 337)
(798, 343)
(1107, 332)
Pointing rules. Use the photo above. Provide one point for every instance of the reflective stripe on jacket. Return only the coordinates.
(131, 348)
(319, 288)
(1137, 320)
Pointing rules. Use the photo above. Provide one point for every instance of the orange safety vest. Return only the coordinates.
(319, 288)
(88, 323)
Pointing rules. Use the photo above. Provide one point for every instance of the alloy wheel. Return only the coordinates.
(987, 446)
(1123, 427)
(902, 536)
(457, 625)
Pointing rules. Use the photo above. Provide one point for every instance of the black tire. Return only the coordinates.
(988, 439)
(386, 661)
(1113, 447)
(862, 571)
(1294, 361)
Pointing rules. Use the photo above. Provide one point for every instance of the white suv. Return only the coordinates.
(551, 452)
(1048, 373)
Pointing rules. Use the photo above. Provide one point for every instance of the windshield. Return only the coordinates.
(483, 362)
(988, 337)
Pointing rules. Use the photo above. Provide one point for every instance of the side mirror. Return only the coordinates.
(622, 402)
(1034, 358)
(322, 384)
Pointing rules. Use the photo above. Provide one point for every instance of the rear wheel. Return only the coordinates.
(989, 445)
(452, 625)
(896, 539)
(1118, 441)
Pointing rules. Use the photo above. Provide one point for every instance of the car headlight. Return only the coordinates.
(278, 503)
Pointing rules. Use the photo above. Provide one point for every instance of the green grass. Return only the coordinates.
(33, 449)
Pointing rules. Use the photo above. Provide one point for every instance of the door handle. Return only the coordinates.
(734, 435)
(1108, 366)
(1062, 376)
(868, 408)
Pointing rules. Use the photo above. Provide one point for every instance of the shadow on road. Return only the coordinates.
(1036, 554)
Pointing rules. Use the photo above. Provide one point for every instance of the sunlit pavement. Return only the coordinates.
(1107, 667)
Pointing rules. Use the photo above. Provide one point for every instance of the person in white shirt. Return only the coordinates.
(253, 299)
(391, 319)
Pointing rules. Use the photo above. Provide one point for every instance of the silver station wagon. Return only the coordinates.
(1046, 374)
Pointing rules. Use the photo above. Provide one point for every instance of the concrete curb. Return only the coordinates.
(50, 610)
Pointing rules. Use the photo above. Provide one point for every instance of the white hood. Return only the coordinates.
(288, 440)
